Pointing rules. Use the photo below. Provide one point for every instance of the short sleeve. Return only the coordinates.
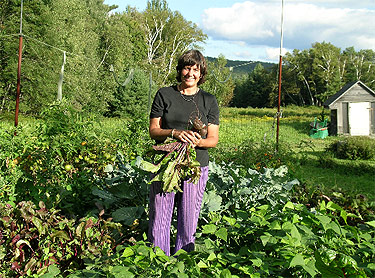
(213, 113)
(157, 108)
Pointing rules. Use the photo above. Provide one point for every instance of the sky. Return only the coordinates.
(251, 30)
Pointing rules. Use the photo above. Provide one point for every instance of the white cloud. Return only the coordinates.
(243, 55)
(273, 54)
(258, 23)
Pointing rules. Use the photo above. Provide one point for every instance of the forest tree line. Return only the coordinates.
(113, 62)
(309, 76)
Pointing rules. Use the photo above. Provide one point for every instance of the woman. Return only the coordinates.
(172, 111)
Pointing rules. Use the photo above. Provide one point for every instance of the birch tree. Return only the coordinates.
(168, 34)
(325, 64)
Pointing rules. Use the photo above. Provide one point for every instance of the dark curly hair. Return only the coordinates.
(190, 58)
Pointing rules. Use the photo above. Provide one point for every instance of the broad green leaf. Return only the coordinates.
(53, 271)
(324, 220)
(371, 223)
(119, 271)
(222, 233)
(128, 252)
(242, 215)
(344, 216)
(127, 215)
(297, 260)
(265, 238)
(149, 167)
(334, 207)
(296, 218)
(160, 253)
(295, 233)
(335, 227)
(230, 220)
(257, 262)
(79, 230)
(371, 266)
(275, 225)
(202, 264)
(225, 274)
(211, 257)
(209, 229)
(289, 205)
(310, 267)
(38, 224)
(181, 266)
(287, 226)
(60, 234)
(212, 201)
(143, 250)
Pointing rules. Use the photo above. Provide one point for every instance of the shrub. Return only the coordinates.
(32, 239)
(252, 154)
(357, 147)
(62, 157)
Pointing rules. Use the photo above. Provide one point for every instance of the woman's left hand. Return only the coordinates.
(188, 136)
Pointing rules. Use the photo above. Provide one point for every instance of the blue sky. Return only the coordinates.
(250, 30)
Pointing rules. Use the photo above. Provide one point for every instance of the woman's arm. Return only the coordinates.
(189, 136)
(212, 137)
(156, 132)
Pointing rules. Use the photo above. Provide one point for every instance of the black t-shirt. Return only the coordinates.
(176, 111)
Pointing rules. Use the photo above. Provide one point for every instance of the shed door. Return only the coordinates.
(359, 118)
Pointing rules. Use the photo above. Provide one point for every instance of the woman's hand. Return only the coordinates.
(188, 136)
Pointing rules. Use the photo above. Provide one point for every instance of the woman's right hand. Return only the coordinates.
(187, 136)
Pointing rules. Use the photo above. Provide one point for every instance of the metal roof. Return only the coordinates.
(344, 89)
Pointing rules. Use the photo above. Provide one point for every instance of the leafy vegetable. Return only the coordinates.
(173, 161)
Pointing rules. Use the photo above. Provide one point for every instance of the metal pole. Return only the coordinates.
(19, 71)
(280, 69)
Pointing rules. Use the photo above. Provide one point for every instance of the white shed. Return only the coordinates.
(352, 110)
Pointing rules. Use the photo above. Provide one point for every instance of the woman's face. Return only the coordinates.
(190, 75)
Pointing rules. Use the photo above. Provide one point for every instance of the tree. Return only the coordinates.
(167, 35)
(326, 70)
(360, 65)
(131, 98)
(300, 63)
(255, 90)
(219, 81)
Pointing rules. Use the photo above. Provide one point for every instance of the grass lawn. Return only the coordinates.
(306, 158)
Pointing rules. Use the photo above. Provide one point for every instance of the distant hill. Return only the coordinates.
(243, 67)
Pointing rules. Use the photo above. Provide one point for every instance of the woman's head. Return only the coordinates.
(191, 58)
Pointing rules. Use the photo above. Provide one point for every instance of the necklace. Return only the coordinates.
(188, 99)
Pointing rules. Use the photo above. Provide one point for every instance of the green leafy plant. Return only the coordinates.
(124, 195)
(32, 239)
(172, 162)
(233, 186)
(354, 147)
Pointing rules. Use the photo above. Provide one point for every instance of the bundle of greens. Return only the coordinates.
(172, 162)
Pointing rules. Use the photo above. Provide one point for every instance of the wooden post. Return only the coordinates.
(19, 71)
